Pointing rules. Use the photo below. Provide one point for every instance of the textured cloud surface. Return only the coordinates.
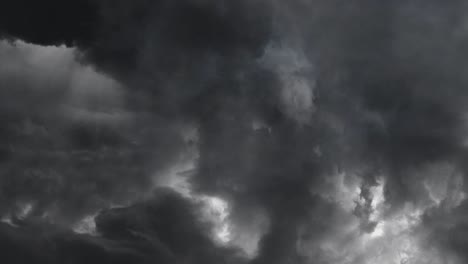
(249, 131)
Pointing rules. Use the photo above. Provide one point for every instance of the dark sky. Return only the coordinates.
(237, 132)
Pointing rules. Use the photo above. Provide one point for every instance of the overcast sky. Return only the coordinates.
(237, 132)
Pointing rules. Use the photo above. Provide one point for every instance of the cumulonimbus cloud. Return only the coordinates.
(340, 125)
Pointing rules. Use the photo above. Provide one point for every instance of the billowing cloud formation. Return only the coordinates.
(320, 131)
(163, 229)
(69, 144)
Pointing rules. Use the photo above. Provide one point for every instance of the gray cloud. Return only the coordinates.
(338, 122)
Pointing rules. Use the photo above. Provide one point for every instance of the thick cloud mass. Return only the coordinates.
(162, 229)
(320, 131)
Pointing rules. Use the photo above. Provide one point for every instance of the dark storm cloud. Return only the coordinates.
(55, 22)
(390, 98)
(163, 229)
(68, 144)
(120, 35)
(283, 94)
(395, 81)
(150, 46)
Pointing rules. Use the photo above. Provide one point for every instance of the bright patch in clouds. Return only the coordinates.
(24, 210)
(86, 226)
(215, 210)
(8, 220)
(396, 239)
